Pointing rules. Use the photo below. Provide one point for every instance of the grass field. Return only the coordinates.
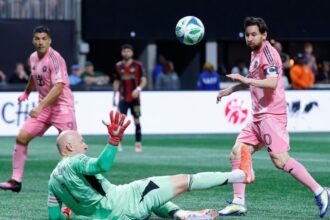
(274, 195)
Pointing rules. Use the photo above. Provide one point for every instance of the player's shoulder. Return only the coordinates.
(33, 55)
(137, 62)
(119, 63)
(270, 54)
(54, 53)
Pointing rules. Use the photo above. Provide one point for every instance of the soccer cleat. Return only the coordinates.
(246, 164)
(12, 185)
(322, 200)
(206, 214)
(233, 209)
(138, 147)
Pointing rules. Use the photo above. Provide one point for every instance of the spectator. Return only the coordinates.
(285, 59)
(168, 79)
(208, 78)
(311, 60)
(240, 68)
(2, 78)
(285, 63)
(158, 67)
(92, 77)
(74, 77)
(19, 76)
(324, 75)
(301, 74)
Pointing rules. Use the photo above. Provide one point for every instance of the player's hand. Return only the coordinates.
(35, 112)
(114, 104)
(66, 211)
(23, 97)
(135, 93)
(237, 78)
(116, 127)
(222, 93)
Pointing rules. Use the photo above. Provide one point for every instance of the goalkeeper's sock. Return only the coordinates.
(19, 158)
(299, 172)
(207, 180)
(238, 188)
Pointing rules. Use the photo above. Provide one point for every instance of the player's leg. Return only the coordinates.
(31, 128)
(276, 138)
(248, 135)
(123, 108)
(136, 112)
(240, 153)
(299, 172)
(171, 210)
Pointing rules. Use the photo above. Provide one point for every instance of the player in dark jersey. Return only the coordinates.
(130, 78)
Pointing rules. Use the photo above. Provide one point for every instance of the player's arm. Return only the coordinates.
(270, 82)
(228, 91)
(50, 99)
(28, 89)
(138, 89)
(115, 87)
(105, 160)
(54, 208)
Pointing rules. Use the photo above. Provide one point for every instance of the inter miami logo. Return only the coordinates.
(44, 69)
(236, 112)
(256, 63)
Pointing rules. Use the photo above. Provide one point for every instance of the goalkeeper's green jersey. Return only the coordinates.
(76, 182)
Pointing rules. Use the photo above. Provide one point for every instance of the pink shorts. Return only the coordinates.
(38, 126)
(270, 132)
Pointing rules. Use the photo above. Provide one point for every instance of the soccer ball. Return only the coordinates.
(189, 30)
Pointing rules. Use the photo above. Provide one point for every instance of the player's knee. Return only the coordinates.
(235, 153)
(279, 164)
(23, 138)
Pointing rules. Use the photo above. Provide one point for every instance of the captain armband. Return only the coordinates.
(271, 70)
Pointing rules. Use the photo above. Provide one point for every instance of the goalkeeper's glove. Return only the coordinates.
(66, 211)
(116, 127)
(23, 97)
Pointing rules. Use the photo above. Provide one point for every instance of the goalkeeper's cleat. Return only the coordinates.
(12, 185)
(322, 200)
(206, 214)
(246, 164)
(233, 209)
(138, 147)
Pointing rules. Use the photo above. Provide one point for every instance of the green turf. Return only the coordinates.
(275, 194)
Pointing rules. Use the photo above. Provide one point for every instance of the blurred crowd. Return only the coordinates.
(302, 71)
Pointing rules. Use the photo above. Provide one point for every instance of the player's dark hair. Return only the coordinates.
(126, 46)
(41, 29)
(251, 21)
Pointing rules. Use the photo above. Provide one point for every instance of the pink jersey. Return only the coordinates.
(51, 69)
(267, 63)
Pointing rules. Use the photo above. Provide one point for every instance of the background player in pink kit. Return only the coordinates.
(56, 106)
(268, 124)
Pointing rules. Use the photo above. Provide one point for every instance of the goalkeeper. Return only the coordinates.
(78, 183)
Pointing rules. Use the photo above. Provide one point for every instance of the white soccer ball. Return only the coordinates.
(189, 30)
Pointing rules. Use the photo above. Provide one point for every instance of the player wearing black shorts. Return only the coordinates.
(130, 78)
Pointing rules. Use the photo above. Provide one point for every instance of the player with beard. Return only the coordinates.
(130, 79)
(269, 118)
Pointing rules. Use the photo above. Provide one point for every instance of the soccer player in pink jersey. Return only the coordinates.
(56, 106)
(268, 125)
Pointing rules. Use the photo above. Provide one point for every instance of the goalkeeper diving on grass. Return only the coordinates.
(77, 183)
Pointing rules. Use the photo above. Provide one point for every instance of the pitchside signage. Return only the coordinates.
(177, 112)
